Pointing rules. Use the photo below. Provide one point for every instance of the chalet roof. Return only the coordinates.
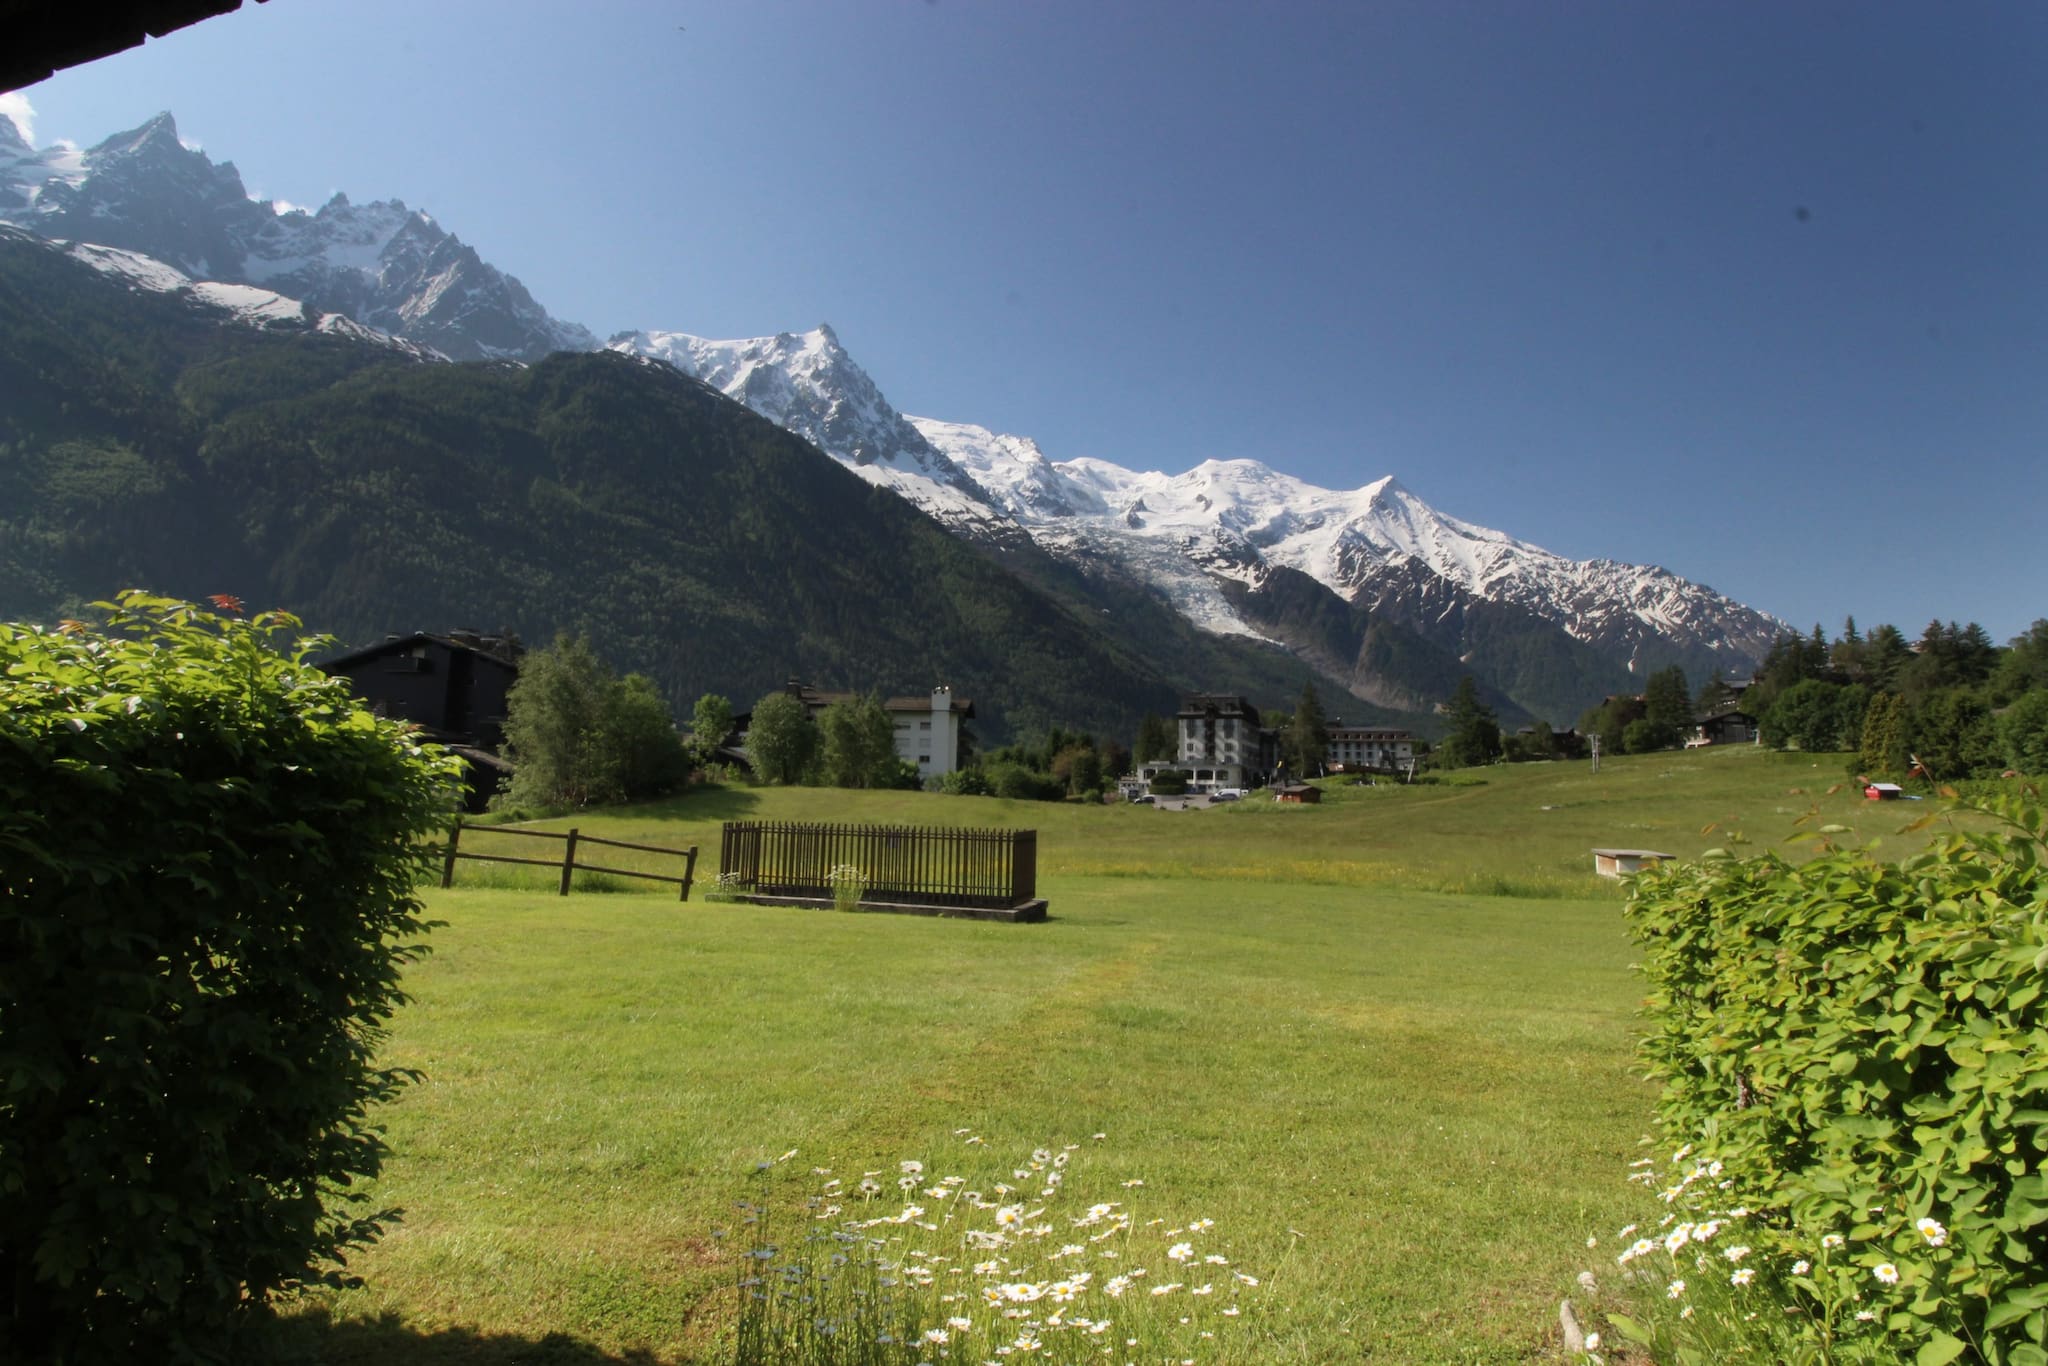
(495, 649)
(963, 706)
(818, 699)
(1340, 732)
(1222, 704)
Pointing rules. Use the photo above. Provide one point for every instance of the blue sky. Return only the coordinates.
(1752, 291)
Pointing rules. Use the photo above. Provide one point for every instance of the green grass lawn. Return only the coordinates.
(1384, 1043)
(1524, 829)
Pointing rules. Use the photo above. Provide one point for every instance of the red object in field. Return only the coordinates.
(1884, 792)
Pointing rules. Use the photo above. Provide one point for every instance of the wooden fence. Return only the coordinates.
(900, 864)
(572, 840)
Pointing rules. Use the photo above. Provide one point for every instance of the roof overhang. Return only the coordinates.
(46, 36)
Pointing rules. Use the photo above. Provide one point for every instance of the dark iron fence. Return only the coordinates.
(571, 840)
(902, 864)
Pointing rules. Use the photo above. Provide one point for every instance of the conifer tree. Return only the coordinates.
(1308, 734)
(1475, 731)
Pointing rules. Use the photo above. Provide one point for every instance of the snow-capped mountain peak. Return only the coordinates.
(390, 268)
(159, 136)
(1236, 520)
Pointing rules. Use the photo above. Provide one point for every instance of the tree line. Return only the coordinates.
(580, 735)
(1950, 705)
(1946, 706)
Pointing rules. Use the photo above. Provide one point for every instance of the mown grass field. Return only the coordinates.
(1385, 1043)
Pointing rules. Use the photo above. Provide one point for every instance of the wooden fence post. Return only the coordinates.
(569, 860)
(689, 873)
(448, 868)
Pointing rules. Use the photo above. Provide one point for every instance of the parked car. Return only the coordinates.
(1227, 794)
(1142, 799)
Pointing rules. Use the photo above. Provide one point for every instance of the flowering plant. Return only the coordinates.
(847, 883)
(908, 1267)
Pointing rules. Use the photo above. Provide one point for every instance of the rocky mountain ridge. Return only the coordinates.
(389, 267)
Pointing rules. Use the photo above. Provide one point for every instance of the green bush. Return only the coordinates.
(1644, 736)
(1019, 783)
(207, 860)
(1169, 782)
(1865, 1047)
(966, 782)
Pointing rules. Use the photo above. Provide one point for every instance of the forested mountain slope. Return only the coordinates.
(145, 441)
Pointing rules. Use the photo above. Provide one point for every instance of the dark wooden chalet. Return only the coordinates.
(452, 687)
(1730, 726)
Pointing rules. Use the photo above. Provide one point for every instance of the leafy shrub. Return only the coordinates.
(899, 775)
(1644, 736)
(1865, 1046)
(966, 782)
(207, 859)
(1019, 783)
(1170, 782)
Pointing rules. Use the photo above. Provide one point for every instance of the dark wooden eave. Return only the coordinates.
(45, 36)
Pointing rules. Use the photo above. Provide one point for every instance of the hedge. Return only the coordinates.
(1863, 1046)
(207, 859)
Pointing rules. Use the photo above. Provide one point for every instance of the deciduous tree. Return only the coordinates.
(859, 743)
(781, 739)
(578, 735)
(710, 723)
(1155, 740)
(2023, 733)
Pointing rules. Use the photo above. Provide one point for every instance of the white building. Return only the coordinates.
(1351, 749)
(928, 730)
(1218, 744)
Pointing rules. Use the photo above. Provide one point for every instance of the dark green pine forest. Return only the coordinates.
(145, 443)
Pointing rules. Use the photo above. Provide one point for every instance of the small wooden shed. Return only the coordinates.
(1884, 792)
(1297, 792)
(1621, 862)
